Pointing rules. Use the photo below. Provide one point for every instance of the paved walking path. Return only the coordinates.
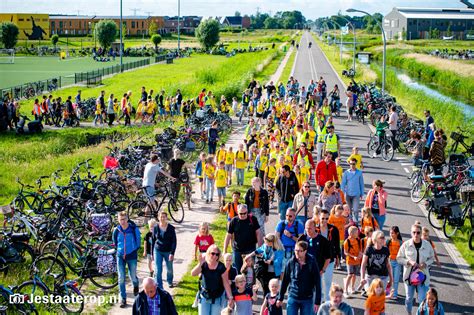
(187, 231)
(454, 292)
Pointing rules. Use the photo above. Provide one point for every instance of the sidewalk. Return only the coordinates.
(187, 231)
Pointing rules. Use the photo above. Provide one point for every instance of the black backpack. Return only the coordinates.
(295, 227)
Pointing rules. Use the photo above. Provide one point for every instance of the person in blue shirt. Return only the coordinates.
(353, 187)
(431, 304)
(127, 239)
(288, 231)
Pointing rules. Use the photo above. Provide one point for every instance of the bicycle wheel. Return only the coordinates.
(104, 281)
(418, 189)
(188, 195)
(372, 145)
(449, 228)
(471, 240)
(35, 288)
(433, 218)
(49, 269)
(76, 299)
(387, 152)
(138, 212)
(176, 210)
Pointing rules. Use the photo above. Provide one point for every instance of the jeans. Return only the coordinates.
(327, 280)
(242, 112)
(303, 307)
(260, 215)
(159, 257)
(206, 307)
(410, 292)
(380, 220)
(240, 176)
(211, 147)
(209, 188)
(319, 151)
(282, 207)
(237, 257)
(132, 273)
(396, 276)
(353, 202)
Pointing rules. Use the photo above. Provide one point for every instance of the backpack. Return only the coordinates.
(295, 227)
(358, 241)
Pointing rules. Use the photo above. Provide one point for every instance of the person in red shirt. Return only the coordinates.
(304, 154)
(201, 98)
(203, 240)
(325, 171)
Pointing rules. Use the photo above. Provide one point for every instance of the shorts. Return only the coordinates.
(149, 258)
(259, 115)
(221, 191)
(201, 179)
(353, 270)
(351, 111)
(228, 167)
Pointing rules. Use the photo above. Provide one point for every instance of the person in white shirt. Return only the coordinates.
(393, 125)
(152, 169)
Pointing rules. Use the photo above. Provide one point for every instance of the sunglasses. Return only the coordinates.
(352, 163)
(289, 216)
(306, 186)
(325, 219)
(242, 213)
(215, 254)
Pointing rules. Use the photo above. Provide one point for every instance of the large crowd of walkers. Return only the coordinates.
(327, 219)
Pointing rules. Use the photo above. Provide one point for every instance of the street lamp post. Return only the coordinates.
(384, 65)
(121, 38)
(354, 32)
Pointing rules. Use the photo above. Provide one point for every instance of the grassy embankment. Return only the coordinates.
(447, 115)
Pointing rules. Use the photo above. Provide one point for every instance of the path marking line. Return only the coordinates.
(406, 170)
(406, 164)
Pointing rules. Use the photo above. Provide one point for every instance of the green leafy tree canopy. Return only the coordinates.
(152, 28)
(106, 31)
(156, 40)
(9, 34)
(207, 33)
(54, 39)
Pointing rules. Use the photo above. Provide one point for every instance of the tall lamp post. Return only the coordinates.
(384, 66)
(121, 38)
(354, 32)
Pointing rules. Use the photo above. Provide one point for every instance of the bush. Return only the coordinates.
(106, 31)
(207, 33)
(9, 34)
(156, 40)
(54, 39)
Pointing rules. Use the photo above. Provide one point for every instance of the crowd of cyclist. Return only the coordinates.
(292, 145)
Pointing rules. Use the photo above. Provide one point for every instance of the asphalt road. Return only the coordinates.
(454, 292)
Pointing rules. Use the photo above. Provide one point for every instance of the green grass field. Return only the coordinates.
(31, 69)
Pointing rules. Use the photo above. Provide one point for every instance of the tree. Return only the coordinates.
(237, 13)
(156, 40)
(106, 32)
(9, 34)
(271, 23)
(207, 33)
(54, 39)
(152, 28)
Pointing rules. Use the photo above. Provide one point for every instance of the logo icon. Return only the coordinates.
(17, 298)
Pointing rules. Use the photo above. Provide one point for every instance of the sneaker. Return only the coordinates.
(364, 293)
(374, 155)
(151, 274)
(195, 304)
(212, 200)
(347, 295)
(135, 291)
(123, 304)
(394, 297)
(170, 285)
(207, 200)
(355, 291)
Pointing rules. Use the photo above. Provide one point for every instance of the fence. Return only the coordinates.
(29, 90)
(32, 89)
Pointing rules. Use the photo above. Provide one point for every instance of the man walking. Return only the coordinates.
(288, 232)
(286, 187)
(153, 300)
(257, 201)
(127, 239)
(318, 246)
(353, 187)
(325, 171)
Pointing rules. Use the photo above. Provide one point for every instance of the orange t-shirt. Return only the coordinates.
(256, 201)
(369, 222)
(339, 223)
(375, 304)
(353, 250)
(393, 247)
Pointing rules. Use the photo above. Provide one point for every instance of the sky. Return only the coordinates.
(311, 9)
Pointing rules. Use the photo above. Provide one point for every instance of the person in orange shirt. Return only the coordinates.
(367, 219)
(375, 303)
(231, 207)
(393, 245)
(353, 252)
(339, 221)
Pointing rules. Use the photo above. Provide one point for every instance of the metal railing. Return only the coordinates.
(32, 89)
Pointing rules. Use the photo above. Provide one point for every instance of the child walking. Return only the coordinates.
(203, 240)
(148, 245)
(353, 252)
(209, 171)
(393, 245)
(425, 235)
(269, 305)
(375, 303)
(221, 183)
(199, 171)
(244, 296)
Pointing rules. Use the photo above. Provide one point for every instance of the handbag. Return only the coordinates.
(260, 268)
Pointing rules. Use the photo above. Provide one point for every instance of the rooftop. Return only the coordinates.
(436, 13)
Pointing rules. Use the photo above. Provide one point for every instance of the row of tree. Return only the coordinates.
(365, 22)
(285, 20)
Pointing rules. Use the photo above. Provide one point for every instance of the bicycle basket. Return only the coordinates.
(467, 193)
(456, 136)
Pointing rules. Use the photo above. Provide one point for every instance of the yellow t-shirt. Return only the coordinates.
(221, 155)
(260, 108)
(358, 157)
(167, 106)
(312, 136)
(150, 108)
(304, 171)
(271, 172)
(339, 173)
(221, 178)
(229, 158)
(209, 171)
(240, 159)
(289, 161)
(263, 162)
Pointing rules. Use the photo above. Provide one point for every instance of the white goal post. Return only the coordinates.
(7, 55)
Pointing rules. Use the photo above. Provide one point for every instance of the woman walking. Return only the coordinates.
(164, 240)
(376, 261)
(328, 197)
(377, 202)
(304, 203)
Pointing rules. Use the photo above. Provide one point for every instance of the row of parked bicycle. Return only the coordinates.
(61, 235)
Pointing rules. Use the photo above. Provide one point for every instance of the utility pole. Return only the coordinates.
(121, 38)
(134, 11)
(179, 13)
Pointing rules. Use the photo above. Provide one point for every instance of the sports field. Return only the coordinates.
(30, 69)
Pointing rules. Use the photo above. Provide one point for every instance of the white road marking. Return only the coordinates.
(406, 164)
(406, 170)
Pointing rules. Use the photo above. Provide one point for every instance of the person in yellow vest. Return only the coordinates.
(199, 171)
(240, 162)
(311, 117)
(269, 179)
(209, 175)
(259, 110)
(358, 157)
(167, 107)
(98, 114)
(321, 132)
(326, 109)
(297, 171)
(332, 143)
(221, 183)
(229, 164)
(262, 163)
(339, 170)
(220, 154)
(305, 172)
(311, 138)
(289, 158)
(275, 152)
